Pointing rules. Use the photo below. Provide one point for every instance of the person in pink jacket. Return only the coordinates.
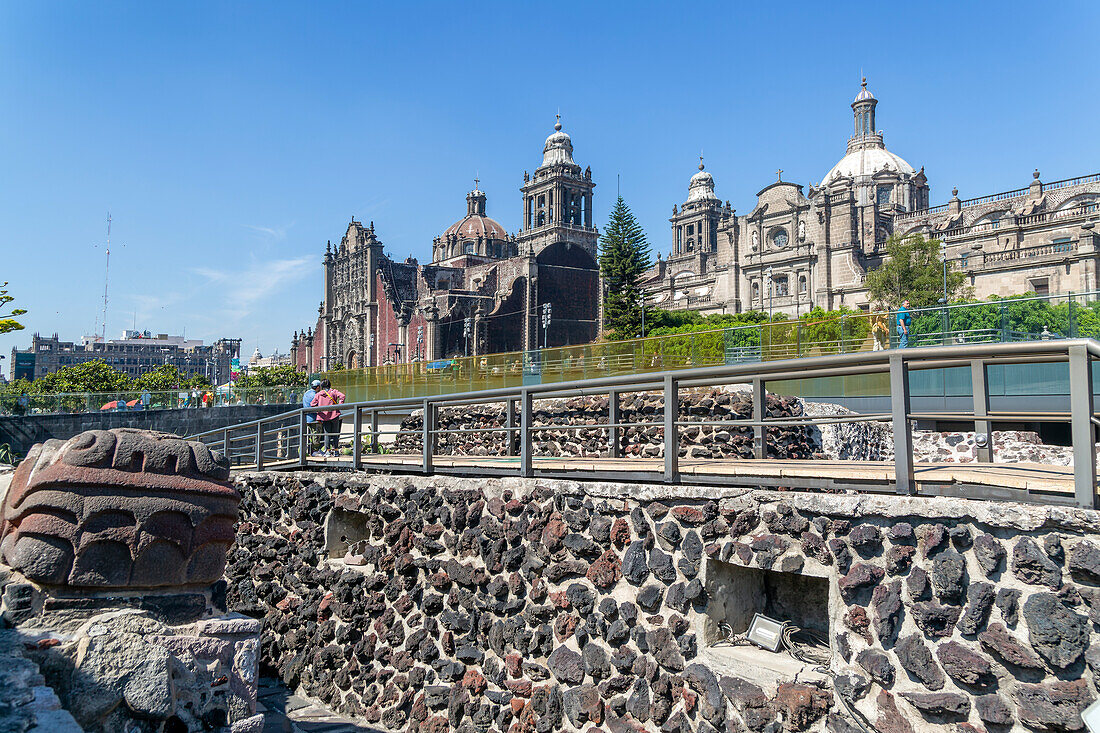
(329, 419)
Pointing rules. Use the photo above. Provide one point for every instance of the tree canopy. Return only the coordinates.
(913, 270)
(89, 376)
(624, 256)
(283, 375)
(8, 322)
(168, 376)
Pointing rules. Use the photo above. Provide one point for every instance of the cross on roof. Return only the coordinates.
(779, 175)
(476, 181)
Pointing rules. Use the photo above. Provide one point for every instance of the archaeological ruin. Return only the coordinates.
(144, 588)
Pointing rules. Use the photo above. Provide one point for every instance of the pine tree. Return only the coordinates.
(624, 256)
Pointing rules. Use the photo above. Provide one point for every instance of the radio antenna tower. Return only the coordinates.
(106, 275)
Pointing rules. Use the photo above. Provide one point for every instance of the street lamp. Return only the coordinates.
(419, 342)
(467, 327)
(545, 324)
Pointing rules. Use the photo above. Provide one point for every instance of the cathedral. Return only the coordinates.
(485, 290)
(805, 247)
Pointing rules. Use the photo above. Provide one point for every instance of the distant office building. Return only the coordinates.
(134, 354)
(485, 291)
(804, 247)
(259, 361)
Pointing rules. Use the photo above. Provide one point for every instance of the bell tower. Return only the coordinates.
(557, 200)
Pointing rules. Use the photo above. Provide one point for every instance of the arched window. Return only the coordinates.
(755, 290)
(468, 247)
(802, 284)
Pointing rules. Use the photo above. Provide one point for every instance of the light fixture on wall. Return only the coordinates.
(766, 633)
(1091, 717)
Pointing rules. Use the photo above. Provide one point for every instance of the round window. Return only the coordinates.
(779, 238)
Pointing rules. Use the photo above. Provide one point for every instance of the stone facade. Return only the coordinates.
(483, 292)
(805, 247)
(436, 603)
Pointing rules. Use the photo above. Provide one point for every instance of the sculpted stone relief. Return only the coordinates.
(119, 508)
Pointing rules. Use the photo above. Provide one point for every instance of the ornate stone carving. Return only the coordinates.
(119, 508)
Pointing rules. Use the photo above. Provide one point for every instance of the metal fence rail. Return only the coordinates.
(288, 441)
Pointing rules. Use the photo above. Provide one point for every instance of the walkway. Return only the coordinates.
(1005, 481)
(269, 442)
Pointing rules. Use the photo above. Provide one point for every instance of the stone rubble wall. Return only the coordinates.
(874, 441)
(536, 605)
(27, 703)
(856, 441)
(703, 441)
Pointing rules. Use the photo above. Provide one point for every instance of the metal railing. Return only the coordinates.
(138, 399)
(287, 441)
(1008, 320)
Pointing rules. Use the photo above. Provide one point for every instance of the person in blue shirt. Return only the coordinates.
(905, 322)
(311, 417)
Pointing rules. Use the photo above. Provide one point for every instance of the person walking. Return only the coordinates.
(311, 417)
(880, 333)
(329, 419)
(905, 323)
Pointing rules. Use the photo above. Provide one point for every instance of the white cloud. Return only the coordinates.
(276, 232)
(243, 289)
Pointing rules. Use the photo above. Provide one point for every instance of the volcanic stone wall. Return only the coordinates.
(441, 603)
(696, 441)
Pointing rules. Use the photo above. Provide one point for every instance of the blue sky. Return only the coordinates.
(229, 141)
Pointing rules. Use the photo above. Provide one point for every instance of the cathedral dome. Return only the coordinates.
(867, 161)
(867, 154)
(559, 147)
(701, 187)
(474, 226)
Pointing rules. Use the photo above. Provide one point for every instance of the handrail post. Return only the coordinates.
(1081, 411)
(614, 446)
(510, 423)
(356, 445)
(981, 409)
(759, 434)
(374, 431)
(903, 430)
(225, 445)
(259, 445)
(428, 435)
(526, 424)
(672, 438)
(303, 438)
